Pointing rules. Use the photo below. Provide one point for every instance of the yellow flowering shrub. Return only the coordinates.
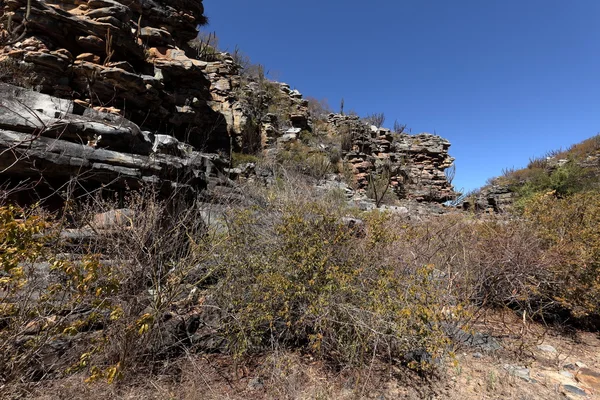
(307, 279)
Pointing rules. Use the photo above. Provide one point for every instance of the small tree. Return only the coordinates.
(379, 183)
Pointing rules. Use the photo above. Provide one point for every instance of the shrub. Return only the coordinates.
(380, 181)
(241, 158)
(564, 180)
(300, 158)
(103, 307)
(570, 227)
(399, 128)
(488, 262)
(19, 74)
(206, 46)
(318, 109)
(306, 279)
(581, 150)
(376, 119)
(347, 138)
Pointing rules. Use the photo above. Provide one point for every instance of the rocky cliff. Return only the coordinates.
(414, 164)
(112, 92)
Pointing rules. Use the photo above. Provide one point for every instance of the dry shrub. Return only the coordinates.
(161, 258)
(18, 73)
(489, 262)
(570, 228)
(579, 151)
(347, 138)
(302, 277)
(105, 303)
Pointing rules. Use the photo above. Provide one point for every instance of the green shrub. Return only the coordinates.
(564, 180)
(303, 159)
(241, 158)
(307, 280)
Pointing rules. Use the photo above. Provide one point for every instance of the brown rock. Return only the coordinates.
(91, 42)
(589, 378)
(89, 57)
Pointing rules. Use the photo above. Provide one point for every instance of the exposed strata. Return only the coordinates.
(53, 138)
(129, 58)
(129, 65)
(416, 163)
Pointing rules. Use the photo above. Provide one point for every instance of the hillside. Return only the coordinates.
(173, 224)
(564, 172)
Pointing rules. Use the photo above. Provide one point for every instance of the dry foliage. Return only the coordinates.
(303, 277)
(289, 271)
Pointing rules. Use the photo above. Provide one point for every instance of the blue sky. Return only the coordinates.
(503, 80)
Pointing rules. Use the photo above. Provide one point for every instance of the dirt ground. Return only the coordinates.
(535, 362)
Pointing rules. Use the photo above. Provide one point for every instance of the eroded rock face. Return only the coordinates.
(54, 140)
(124, 57)
(109, 92)
(416, 163)
(122, 78)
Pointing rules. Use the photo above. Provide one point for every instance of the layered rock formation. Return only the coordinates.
(116, 93)
(129, 58)
(414, 164)
(496, 198)
(55, 139)
(121, 94)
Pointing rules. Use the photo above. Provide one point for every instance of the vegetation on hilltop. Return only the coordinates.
(564, 172)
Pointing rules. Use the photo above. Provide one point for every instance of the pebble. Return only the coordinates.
(567, 374)
(574, 390)
(547, 348)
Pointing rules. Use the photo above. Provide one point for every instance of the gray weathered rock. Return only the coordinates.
(40, 136)
(519, 372)
(546, 348)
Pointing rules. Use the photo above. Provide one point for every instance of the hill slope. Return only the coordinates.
(564, 172)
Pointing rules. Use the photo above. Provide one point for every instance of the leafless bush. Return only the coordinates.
(318, 108)
(379, 183)
(450, 173)
(348, 135)
(492, 262)
(398, 127)
(241, 59)
(376, 119)
(119, 275)
(206, 46)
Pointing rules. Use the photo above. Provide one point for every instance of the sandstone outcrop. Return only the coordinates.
(128, 58)
(496, 198)
(117, 91)
(115, 96)
(415, 164)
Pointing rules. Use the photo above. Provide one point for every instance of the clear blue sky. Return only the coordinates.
(503, 80)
